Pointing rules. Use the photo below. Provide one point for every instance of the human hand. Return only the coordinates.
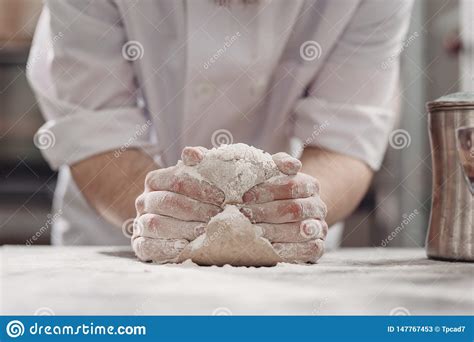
(290, 212)
(173, 210)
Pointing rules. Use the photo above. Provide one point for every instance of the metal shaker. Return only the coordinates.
(451, 127)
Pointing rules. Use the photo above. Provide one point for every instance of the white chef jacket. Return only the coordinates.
(161, 75)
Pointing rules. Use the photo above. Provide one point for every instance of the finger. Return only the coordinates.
(157, 250)
(286, 211)
(304, 252)
(193, 155)
(286, 163)
(295, 232)
(163, 227)
(177, 180)
(178, 206)
(140, 203)
(283, 187)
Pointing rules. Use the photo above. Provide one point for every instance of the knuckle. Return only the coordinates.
(161, 201)
(251, 195)
(315, 184)
(287, 163)
(296, 209)
(140, 203)
(211, 210)
(154, 178)
(192, 155)
(292, 188)
(313, 247)
(284, 155)
(323, 208)
(142, 248)
(249, 213)
(177, 184)
(167, 198)
(313, 205)
(304, 178)
(311, 182)
(199, 230)
(150, 179)
(139, 227)
(151, 221)
(292, 162)
(312, 201)
(317, 249)
(324, 229)
(292, 183)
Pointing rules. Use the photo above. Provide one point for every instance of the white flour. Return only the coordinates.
(230, 238)
(235, 169)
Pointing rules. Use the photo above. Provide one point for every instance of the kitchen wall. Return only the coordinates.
(26, 182)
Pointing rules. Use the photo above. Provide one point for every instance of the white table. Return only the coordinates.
(109, 280)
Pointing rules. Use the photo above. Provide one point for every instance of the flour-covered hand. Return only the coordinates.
(174, 209)
(290, 211)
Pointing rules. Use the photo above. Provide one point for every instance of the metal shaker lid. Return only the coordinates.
(462, 100)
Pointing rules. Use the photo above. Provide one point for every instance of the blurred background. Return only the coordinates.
(437, 58)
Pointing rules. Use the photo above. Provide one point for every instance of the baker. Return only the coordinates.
(126, 85)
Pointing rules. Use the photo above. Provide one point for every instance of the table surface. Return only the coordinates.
(109, 280)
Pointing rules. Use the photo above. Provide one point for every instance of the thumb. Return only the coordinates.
(286, 163)
(193, 155)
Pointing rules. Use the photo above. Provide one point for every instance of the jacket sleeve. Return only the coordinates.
(349, 107)
(84, 82)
